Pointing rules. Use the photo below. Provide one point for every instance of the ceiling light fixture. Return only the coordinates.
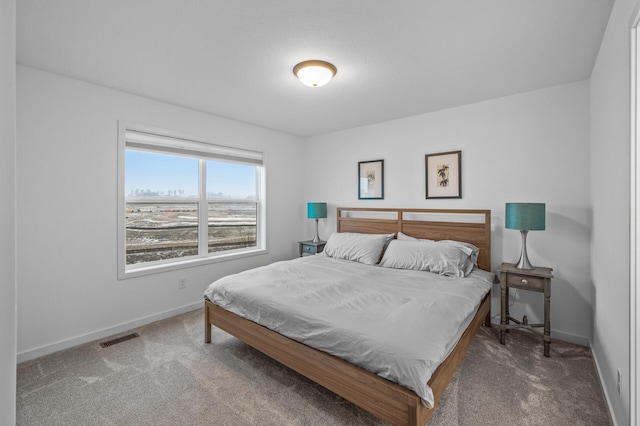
(314, 73)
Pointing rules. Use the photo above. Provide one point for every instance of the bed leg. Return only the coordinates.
(207, 326)
(487, 319)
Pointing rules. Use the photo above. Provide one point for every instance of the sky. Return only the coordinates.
(163, 173)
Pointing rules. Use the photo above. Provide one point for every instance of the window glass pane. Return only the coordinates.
(160, 231)
(231, 180)
(150, 174)
(232, 225)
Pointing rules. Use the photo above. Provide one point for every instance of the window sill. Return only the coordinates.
(133, 271)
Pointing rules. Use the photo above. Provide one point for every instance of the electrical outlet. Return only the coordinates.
(619, 379)
(182, 283)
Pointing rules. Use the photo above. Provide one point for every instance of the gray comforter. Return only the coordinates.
(399, 324)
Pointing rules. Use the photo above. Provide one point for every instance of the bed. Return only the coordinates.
(387, 400)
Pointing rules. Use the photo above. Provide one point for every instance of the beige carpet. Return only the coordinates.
(167, 376)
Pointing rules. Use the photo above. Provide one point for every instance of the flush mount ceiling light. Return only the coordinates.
(314, 73)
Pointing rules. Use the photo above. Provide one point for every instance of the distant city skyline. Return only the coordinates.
(163, 175)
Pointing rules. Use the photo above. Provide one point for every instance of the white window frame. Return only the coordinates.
(141, 136)
(634, 208)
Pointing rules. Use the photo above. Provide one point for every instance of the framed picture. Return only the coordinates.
(371, 180)
(444, 175)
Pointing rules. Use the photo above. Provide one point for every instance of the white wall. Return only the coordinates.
(68, 291)
(7, 212)
(532, 147)
(610, 186)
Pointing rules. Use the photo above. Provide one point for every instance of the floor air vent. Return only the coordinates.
(120, 339)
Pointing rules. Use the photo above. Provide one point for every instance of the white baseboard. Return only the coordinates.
(571, 338)
(105, 332)
(604, 389)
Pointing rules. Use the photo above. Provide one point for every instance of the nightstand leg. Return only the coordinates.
(504, 308)
(547, 320)
(507, 314)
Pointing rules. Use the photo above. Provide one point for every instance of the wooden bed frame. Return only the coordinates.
(383, 398)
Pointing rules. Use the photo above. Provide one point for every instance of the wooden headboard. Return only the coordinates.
(471, 226)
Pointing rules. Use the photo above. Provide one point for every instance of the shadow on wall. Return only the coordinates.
(569, 249)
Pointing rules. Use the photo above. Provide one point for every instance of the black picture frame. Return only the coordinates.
(443, 175)
(371, 180)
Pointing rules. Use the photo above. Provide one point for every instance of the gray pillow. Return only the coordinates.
(474, 255)
(452, 260)
(405, 237)
(363, 248)
(475, 251)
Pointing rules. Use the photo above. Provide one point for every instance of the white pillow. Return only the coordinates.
(474, 255)
(431, 256)
(363, 248)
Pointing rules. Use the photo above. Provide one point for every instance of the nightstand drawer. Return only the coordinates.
(309, 249)
(527, 282)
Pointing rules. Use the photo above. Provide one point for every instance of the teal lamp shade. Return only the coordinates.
(317, 211)
(524, 217)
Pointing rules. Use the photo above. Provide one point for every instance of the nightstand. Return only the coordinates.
(537, 279)
(309, 247)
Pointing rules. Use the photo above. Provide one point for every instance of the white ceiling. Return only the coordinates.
(234, 58)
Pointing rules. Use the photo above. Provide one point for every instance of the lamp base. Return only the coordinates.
(523, 262)
(317, 238)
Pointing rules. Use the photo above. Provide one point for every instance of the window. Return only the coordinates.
(184, 202)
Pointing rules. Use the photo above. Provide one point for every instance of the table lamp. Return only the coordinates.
(317, 211)
(525, 217)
